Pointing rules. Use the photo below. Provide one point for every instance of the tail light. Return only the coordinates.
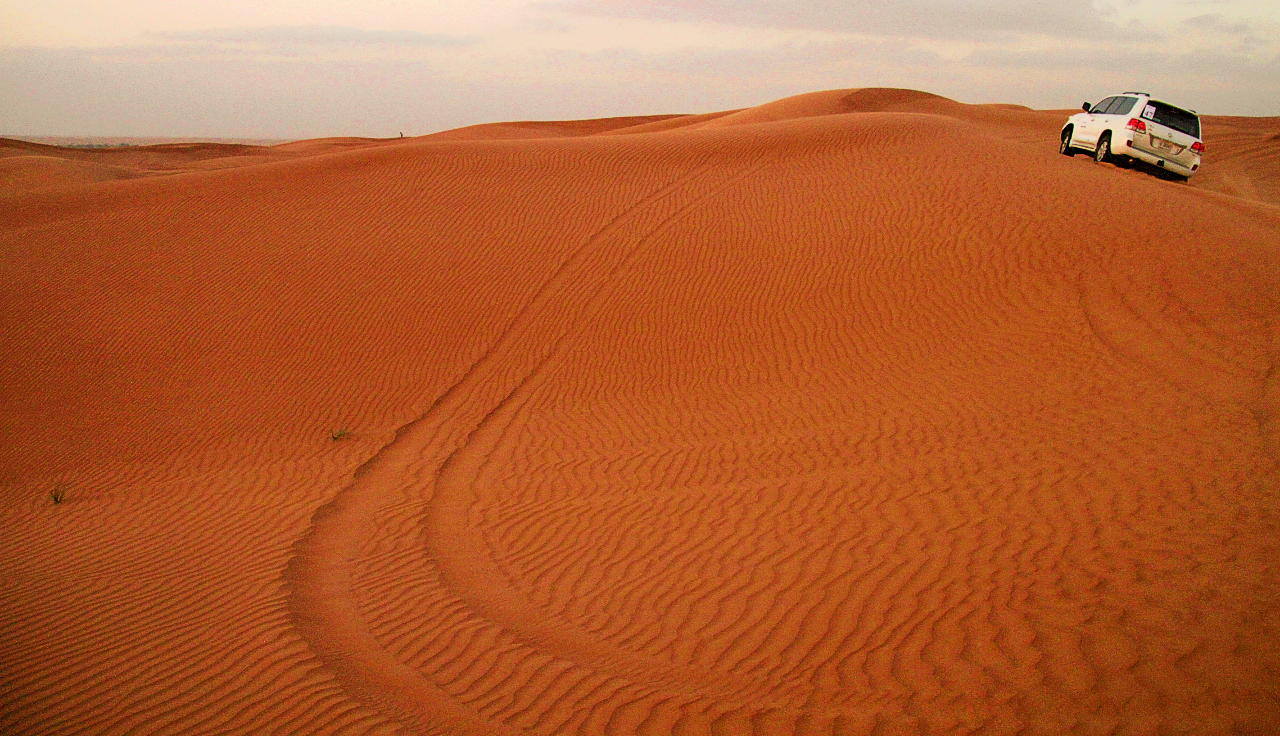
(1136, 125)
(1197, 148)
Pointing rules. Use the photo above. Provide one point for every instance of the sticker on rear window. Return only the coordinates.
(1149, 112)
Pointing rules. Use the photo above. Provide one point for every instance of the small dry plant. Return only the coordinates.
(339, 434)
(57, 494)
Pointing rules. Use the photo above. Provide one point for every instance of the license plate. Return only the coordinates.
(1164, 145)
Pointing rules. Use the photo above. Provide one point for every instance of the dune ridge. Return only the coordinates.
(1242, 157)
(854, 413)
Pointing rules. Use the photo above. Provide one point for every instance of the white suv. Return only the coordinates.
(1135, 126)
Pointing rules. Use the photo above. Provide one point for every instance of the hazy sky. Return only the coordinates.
(295, 68)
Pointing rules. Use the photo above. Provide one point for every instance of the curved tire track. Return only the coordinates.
(455, 437)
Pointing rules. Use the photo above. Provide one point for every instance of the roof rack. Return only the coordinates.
(1148, 94)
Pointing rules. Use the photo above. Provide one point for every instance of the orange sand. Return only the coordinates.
(860, 412)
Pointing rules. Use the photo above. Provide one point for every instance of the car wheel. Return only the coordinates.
(1102, 154)
(1065, 147)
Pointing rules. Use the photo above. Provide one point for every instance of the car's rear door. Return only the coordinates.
(1170, 132)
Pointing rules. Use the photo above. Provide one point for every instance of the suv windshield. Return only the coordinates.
(1172, 117)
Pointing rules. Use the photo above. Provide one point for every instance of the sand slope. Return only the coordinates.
(35, 173)
(824, 421)
(552, 129)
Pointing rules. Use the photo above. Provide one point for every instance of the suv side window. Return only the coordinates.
(1122, 106)
(1101, 107)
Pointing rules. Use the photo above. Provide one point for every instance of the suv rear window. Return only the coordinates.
(1172, 117)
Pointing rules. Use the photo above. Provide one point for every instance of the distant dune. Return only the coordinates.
(859, 412)
(72, 141)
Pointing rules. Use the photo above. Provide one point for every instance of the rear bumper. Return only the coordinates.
(1126, 147)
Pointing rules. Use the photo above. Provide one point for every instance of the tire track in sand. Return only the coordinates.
(453, 440)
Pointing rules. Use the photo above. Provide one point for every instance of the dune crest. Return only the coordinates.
(853, 413)
(839, 102)
(550, 129)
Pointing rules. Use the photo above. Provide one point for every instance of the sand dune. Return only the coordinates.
(551, 129)
(837, 102)
(862, 412)
(158, 159)
(34, 173)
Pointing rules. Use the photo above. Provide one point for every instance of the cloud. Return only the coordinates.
(1213, 81)
(283, 42)
(543, 24)
(944, 20)
(237, 82)
(1216, 22)
(86, 92)
(312, 35)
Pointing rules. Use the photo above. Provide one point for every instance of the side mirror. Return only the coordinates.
(1085, 107)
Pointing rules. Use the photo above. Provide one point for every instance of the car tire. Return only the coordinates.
(1065, 148)
(1102, 154)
